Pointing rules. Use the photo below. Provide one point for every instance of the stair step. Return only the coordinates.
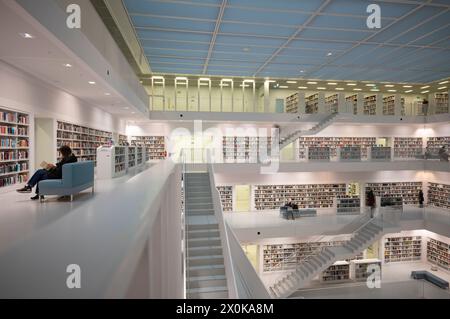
(201, 242)
(202, 271)
(208, 293)
(205, 260)
(205, 250)
(207, 281)
(206, 233)
(196, 212)
(202, 226)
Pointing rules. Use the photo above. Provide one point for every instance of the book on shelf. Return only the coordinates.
(370, 105)
(439, 195)
(402, 248)
(407, 191)
(438, 253)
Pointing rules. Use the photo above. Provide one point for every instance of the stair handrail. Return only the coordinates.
(218, 212)
(184, 224)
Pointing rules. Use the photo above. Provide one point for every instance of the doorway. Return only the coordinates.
(242, 198)
(251, 251)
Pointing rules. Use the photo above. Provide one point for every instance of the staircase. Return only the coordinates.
(288, 139)
(205, 268)
(310, 268)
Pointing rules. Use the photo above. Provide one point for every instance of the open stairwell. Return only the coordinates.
(362, 238)
(205, 270)
(291, 137)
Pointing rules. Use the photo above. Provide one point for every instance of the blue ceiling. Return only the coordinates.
(292, 38)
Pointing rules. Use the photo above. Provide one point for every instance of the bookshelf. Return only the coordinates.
(331, 103)
(131, 158)
(441, 101)
(393, 202)
(292, 102)
(350, 153)
(348, 205)
(339, 271)
(400, 249)
(352, 100)
(155, 145)
(358, 268)
(305, 195)
(140, 155)
(287, 256)
(380, 153)
(439, 195)
(407, 147)
(333, 143)
(408, 191)
(83, 140)
(14, 147)
(318, 153)
(123, 140)
(312, 104)
(389, 105)
(226, 197)
(370, 105)
(245, 148)
(435, 143)
(438, 253)
(111, 161)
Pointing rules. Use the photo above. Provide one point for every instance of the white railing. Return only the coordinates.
(249, 284)
(218, 212)
(119, 239)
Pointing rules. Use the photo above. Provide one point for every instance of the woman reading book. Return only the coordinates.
(49, 171)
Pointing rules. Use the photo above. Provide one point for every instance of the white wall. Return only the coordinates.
(22, 91)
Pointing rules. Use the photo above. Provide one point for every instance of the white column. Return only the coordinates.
(431, 104)
(379, 109)
(321, 105)
(360, 104)
(398, 105)
(301, 107)
(342, 104)
(266, 97)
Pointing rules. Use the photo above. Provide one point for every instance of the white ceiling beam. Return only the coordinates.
(214, 36)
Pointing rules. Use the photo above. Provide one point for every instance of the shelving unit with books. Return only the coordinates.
(312, 104)
(244, 148)
(438, 253)
(435, 143)
(348, 205)
(14, 147)
(353, 101)
(350, 154)
(305, 196)
(140, 155)
(408, 191)
(292, 102)
(439, 195)
(358, 268)
(83, 140)
(402, 248)
(111, 161)
(331, 103)
(333, 143)
(131, 159)
(441, 101)
(155, 145)
(407, 147)
(389, 105)
(380, 153)
(123, 140)
(370, 105)
(318, 153)
(226, 197)
(338, 272)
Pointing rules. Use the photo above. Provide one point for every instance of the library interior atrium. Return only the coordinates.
(225, 149)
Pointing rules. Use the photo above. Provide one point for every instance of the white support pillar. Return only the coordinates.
(342, 104)
(253, 103)
(398, 105)
(301, 107)
(183, 81)
(379, 108)
(360, 104)
(266, 96)
(204, 82)
(431, 104)
(321, 103)
(224, 82)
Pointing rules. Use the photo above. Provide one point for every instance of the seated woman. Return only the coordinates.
(49, 172)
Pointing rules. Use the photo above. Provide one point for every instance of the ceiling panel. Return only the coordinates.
(280, 38)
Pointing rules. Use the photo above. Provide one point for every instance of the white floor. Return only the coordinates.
(20, 217)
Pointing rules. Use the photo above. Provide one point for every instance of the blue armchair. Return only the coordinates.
(75, 178)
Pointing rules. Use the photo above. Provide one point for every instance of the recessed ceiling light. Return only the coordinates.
(126, 108)
(321, 88)
(370, 84)
(245, 49)
(425, 87)
(26, 35)
(375, 90)
(443, 82)
(311, 82)
(407, 86)
(291, 82)
(424, 92)
(301, 71)
(332, 83)
(442, 87)
(107, 94)
(329, 54)
(302, 87)
(389, 85)
(67, 65)
(392, 90)
(409, 91)
(339, 89)
(351, 84)
(91, 82)
(133, 112)
(270, 81)
(223, 84)
(284, 87)
(357, 89)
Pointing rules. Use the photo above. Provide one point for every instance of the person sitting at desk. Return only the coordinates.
(49, 171)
